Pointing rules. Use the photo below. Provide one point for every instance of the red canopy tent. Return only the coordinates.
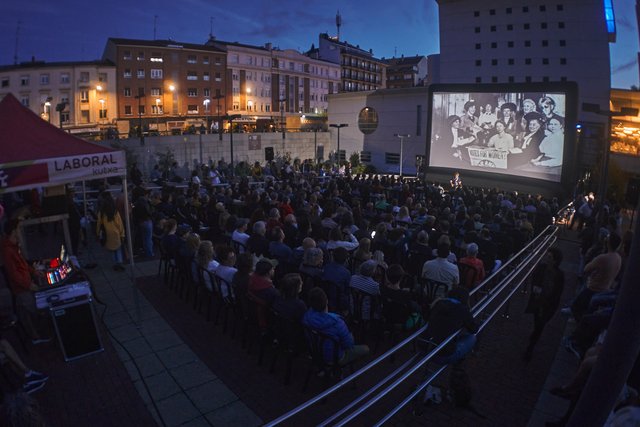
(34, 153)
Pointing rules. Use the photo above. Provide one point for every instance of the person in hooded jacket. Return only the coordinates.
(448, 315)
(318, 318)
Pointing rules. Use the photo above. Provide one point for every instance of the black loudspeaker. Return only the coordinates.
(268, 153)
(76, 329)
(633, 190)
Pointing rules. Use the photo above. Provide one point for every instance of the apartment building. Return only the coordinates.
(168, 81)
(78, 96)
(407, 71)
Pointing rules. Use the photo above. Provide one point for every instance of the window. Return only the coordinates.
(155, 73)
(103, 114)
(545, 43)
(509, 44)
(392, 158)
(64, 98)
(562, 43)
(527, 61)
(476, 13)
(156, 109)
(493, 28)
(24, 80)
(84, 96)
(494, 79)
(192, 75)
(140, 109)
(205, 76)
(102, 77)
(206, 92)
(478, 62)
(44, 79)
(509, 10)
(561, 25)
(478, 46)
(492, 12)
(527, 26)
(527, 79)
(5, 82)
(494, 45)
(511, 79)
(218, 77)
(156, 57)
(525, 9)
(509, 27)
(84, 116)
(127, 110)
(84, 76)
(140, 73)
(511, 61)
(527, 43)
(192, 91)
(563, 61)
(218, 61)
(477, 29)
(126, 55)
(545, 79)
(24, 100)
(140, 56)
(64, 117)
(155, 91)
(543, 25)
(478, 79)
(191, 59)
(127, 91)
(563, 79)
(127, 73)
(368, 120)
(205, 59)
(192, 109)
(494, 62)
(543, 8)
(559, 8)
(365, 156)
(64, 78)
(140, 92)
(545, 61)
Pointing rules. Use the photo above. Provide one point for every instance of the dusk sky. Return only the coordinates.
(77, 30)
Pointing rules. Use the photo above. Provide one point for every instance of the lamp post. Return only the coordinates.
(60, 109)
(402, 137)
(282, 127)
(231, 118)
(338, 126)
(174, 99)
(206, 103)
(138, 97)
(47, 106)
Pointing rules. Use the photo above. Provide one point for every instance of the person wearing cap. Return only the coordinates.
(528, 146)
(240, 235)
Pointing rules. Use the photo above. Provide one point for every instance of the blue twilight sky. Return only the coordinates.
(77, 30)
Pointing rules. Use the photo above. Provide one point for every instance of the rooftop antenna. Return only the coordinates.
(395, 51)
(155, 26)
(15, 50)
(211, 27)
(338, 23)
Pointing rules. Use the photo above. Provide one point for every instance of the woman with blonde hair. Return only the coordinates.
(110, 225)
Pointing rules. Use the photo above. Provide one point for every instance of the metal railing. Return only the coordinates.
(511, 275)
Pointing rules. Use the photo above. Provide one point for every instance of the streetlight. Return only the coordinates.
(595, 109)
(174, 98)
(402, 137)
(206, 103)
(339, 126)
(60, 109)
(47, 105)
(282, 101)
(231, 118)
(138, 97)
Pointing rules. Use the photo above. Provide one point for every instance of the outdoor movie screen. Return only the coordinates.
(512, 133)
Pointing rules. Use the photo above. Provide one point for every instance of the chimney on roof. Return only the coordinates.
(33, 59)
(268, 46)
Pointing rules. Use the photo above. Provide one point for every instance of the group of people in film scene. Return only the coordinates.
(514, 131)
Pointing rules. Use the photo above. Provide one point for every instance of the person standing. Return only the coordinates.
(547, 284)
(142, 218)
(109, 218)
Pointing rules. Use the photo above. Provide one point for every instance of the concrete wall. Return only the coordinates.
(186, 148)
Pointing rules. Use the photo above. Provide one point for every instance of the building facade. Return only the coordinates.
(360, 70)
(167, 84)
(270, 87)
(542, 41)
(407, 71)
(78, 96)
